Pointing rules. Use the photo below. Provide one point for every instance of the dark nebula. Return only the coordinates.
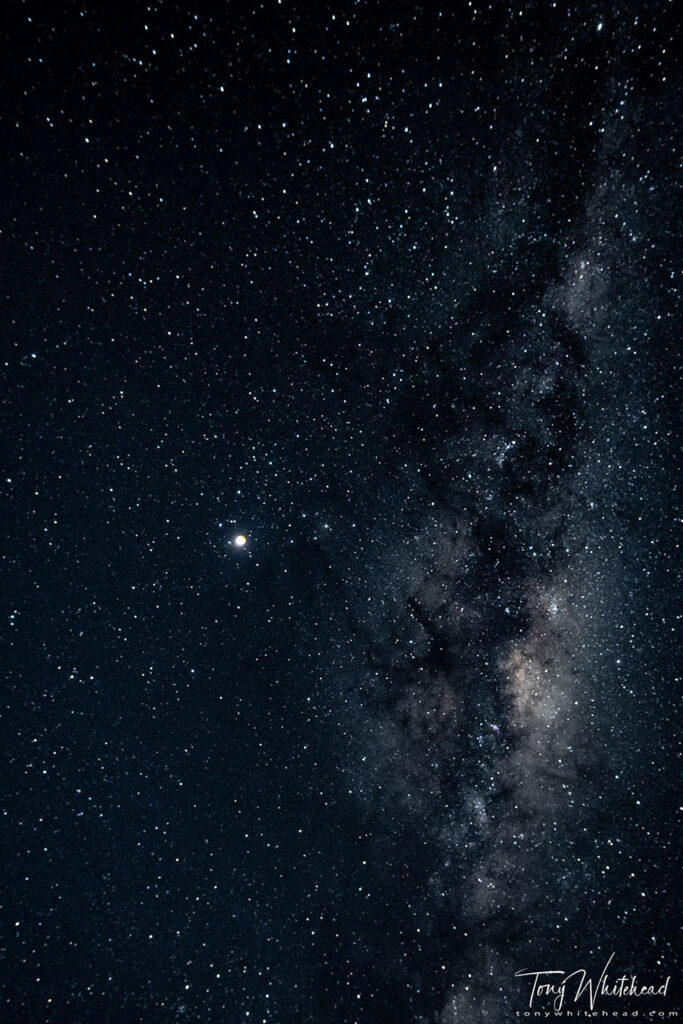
(339, 574)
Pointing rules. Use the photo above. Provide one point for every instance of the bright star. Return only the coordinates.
(240, 540)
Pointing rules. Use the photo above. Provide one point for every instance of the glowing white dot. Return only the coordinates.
(240, 540)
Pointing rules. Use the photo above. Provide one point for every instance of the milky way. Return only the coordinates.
(486, 720)
(339, 575)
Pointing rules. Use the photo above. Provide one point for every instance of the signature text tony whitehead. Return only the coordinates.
(564, 984)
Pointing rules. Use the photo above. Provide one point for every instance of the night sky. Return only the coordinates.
(338, 592)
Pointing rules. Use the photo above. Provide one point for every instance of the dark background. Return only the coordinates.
(388, 288)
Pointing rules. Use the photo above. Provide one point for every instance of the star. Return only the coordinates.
(240, 540)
